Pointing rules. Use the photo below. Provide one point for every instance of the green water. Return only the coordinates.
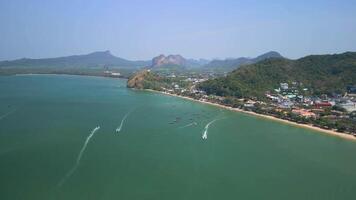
(45, 120)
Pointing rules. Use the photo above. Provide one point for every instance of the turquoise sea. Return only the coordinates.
(150, 146)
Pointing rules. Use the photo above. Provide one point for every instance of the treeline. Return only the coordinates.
(322, 74)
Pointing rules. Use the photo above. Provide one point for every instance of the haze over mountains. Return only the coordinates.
(106, 59)
(247, 77)
(95, 59)
(233, 63)
(177, 60)
(226, 64)
(163, 60)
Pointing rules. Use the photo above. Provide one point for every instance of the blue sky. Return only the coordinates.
(141, 29)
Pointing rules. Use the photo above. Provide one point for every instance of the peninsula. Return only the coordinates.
(307, 92)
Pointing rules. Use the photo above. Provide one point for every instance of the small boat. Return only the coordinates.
(204, 136)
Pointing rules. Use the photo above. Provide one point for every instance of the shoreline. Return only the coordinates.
(268, 117)
(66, 74)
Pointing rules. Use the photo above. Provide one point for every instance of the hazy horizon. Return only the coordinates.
(140, 30)
(148, 59)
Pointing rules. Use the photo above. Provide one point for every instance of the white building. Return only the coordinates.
(284, 86)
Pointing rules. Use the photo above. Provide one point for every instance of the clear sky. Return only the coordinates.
(141, 29)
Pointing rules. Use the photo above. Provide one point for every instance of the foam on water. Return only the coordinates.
(118, 129)
(191, 124)
(69, 174)
(205, 133)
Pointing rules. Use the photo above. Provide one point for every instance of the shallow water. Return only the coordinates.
(49, 117)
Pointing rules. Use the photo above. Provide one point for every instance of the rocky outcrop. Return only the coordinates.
(145, 79)
(136, 81)
(163, 60)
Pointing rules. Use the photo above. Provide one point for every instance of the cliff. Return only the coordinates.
(163, 60)
(145, 80)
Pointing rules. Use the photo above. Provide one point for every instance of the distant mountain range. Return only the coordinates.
(105, 60)
(177, 61)
(231, 64)
(225, 65)
(162, 60)
(96, 59)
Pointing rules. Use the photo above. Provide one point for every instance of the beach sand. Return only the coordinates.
(307, 126)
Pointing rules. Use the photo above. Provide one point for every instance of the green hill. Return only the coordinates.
(320, 73)
(90, 64)
(96, 59)
(231, 64)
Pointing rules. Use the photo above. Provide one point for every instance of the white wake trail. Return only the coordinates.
(7, 114)
(205, 133)
(118, 129)
(69, 174)
(86, 143)
(191, 124)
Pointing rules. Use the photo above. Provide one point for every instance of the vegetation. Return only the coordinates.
(147, 80)
(322, 74)
(93, 64)
(95, 59)
(228, 65)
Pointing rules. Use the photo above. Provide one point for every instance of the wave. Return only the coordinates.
(69, 174)
(205, 133)
(191, 124)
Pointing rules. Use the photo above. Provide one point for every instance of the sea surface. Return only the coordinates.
(82, 138)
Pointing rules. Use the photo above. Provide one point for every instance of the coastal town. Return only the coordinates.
(290, 101)
(177, 100)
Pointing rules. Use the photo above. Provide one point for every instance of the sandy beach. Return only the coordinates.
(317, 129)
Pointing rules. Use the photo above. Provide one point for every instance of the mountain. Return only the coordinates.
(96, 59)
(320, 73)
(271, 54)
(193, 63)
(231, 64)
(177, 61)
(171, 60)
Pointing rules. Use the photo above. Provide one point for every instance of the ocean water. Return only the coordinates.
(74, 137)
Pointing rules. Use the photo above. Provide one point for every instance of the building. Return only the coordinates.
(349, 106)
(322, 104)
(284, 86)
(111, 73)
(304, 113)
(351, 89)
(271, 97)
(249, 104)
(171, 76)
(285, 104)
(291, 96)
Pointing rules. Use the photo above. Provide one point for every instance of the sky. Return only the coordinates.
(142, 29)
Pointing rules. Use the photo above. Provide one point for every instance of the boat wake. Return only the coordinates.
(7, 114)
(205, 133)
(69, 174)
(118, 129)
(191, 124)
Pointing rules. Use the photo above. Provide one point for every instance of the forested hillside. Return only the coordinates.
(320, 73)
